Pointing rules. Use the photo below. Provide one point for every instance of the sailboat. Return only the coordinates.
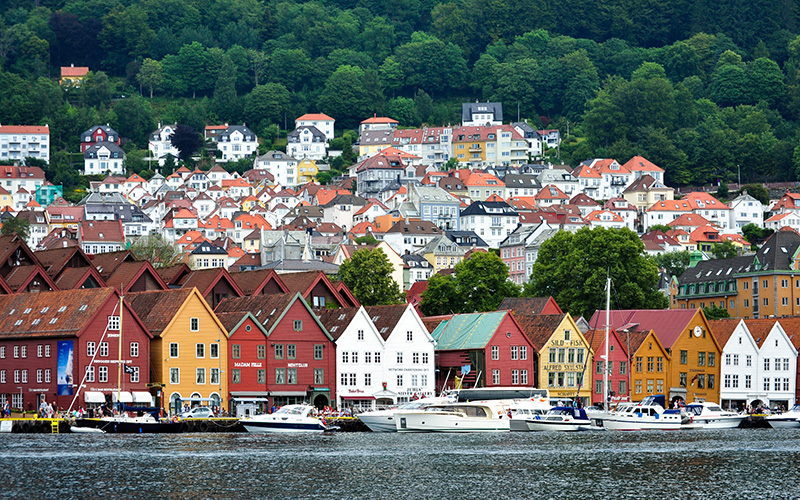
(145, 423)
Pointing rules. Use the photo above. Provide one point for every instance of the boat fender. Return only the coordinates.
(203, 427)
(176, 419)
(26, 427)
(16, 429)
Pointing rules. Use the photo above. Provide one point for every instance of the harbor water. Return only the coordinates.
(752, 463)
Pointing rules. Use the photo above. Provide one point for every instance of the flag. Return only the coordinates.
(465, 370)
(127, 368)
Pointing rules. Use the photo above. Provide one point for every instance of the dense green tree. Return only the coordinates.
(757, 191)
(151, 75)
(713, 312)
(156, 250)
(403, 110)
(132, 118)
(674, 263)
(572, 268)
(368, 274)
(187, 141)
(724, 250)
(16, 225)
(346, 97)
(266, 103)
(754, 234)
(476, 285)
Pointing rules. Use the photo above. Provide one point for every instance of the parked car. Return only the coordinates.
(198, 412)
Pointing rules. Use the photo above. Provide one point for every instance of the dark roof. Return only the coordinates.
(107, 262)
(470, 108)
(50, 314)
(157, 308)
(433, 322)
(539, 328)
(266, 308)
(205, 279)
(526, 306)
(385, 318)
(251, 281)
(337, 320)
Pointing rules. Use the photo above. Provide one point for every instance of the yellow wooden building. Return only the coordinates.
(564, 355)
(188, 351)
(649, 364)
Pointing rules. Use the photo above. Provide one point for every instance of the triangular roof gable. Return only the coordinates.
(194, 293)
(4, 288)
(208, 279)
(270, 276)
(649, 334)
(14, 251)
(362, 313)
(778, 330)
(57, 259)
(415, 317)
(345, 294)
(304, 287)
(74, 278)
(245, 316)
(128, 273)
(174, 274)
(597, 338)
(22, 276)
(310, 312)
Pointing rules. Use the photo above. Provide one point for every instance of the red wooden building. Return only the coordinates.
(298, 358)
(48, 339)
(618, 366)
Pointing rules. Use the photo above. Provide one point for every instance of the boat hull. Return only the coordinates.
(783, 423)
(719, 422)
(518, 425)
(128, 426)
(281, 425)
(432, 422)
(560, 426)
(639, 424)
(379, 423)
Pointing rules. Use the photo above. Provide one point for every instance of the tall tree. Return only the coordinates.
(156, 250)
(368, 274)
(572, 268)
(151, 75)
(16, 225)
(186, 140)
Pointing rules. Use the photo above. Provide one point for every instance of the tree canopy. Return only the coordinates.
(572, 268)
(16, 225)
(368, 274)
(478, 284)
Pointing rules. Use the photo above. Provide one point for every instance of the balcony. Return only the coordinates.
(475, 149)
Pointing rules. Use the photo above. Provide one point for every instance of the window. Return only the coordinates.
(354, 356)
(567, 334)
(200, 350)
(90, 373)
(39, 376)
(361, 335)
(173, 350)
(736, 360)
(523, 353)
(318, 351)
(650, 363)
(514, 352)
(236, 376)
(766, 384)
(134, 349)
(748, 381)
(345, 357)
(399, 381)
(727, 360)
(766, 364)
(409, 336)
(213, 351)
(552, 355)
(102, 374)
(261, 351)
(638, 387)
(236, 351)
(580, 353)
(103, 349)
(701, 359)
(562, 355)
(777, 364)
(701, 380)
(650, 386)
(598, 386)
(25, 351)
(495, 352)
(279, 351)
(90, 346)
(415, 358)
(598, 367)
(683, 379)
(711, 380)
(174, 375)
(113, 323)
(786, 364)
(39, 350)
(291, 352)
(523, 377)
(399, 358)
(735, 381)
(134, 374)
(659, 386)
(684, 357)
(200, 377)
(638, 364)
(214, 376)
(280, 375)
(623, 367)
(298, 325)
(748, 361)
(495, 376)
(194, 324)
(377, 357)
(261, 376)
(2, 352)
(319, 376)
(514, 377)
(712, 359)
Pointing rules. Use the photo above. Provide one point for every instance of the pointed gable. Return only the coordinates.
(136, 277)
(213, 284)
(259, 281)
(26, 279)
(14, 252)
(74, 278)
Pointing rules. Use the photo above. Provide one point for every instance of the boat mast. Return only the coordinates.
(119, 359)
(605, 357)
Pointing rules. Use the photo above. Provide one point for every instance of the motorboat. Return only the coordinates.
(521, 411)
(649, 414)
(125, 424)
(289, 418)
(560, 418)
(384, 420)
(488, 416)
(708, 415)
(786, 420)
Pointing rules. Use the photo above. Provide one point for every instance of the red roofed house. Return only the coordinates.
(73, 75)
(321, 121)
(101, 236)
(24, 141)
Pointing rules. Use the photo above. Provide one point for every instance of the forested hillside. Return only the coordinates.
(700, 87)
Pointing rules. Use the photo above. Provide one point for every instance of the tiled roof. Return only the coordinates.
(722, 329)
(526, 306)
(336, 321)
(157, 308)
(21, 276)
(251, 282)
(667, 324)
(205, 279)
(266, 308)
(433, 322)
(641, 164)
(385, 318)
(72, 277)
(172, 274)
(107, 262)
(51, 314)
(539, 328)
(314, 116)
(102, 230)
(126, 273)
(55, 260)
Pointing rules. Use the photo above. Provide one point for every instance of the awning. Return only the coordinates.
(142, 397)
(124, 396)
(197, 399)
(236, 394)
(246, 399)
(94, 397)
(358, 397)
(289, 393)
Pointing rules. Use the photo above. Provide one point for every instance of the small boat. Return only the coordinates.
(561, 418)
(711, 416)
(383, 420)
(524, 410)
(649, 414)
(489, 416)
(85, 430)
(289, 418)
(124, 424)
(786, 420)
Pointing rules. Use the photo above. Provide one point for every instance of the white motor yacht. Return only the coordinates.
(560, 418)
(289, 418)
(524, 410)
(786, 420)
(711, 416)
(649, 414)
(384, 420)
(488, 416)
